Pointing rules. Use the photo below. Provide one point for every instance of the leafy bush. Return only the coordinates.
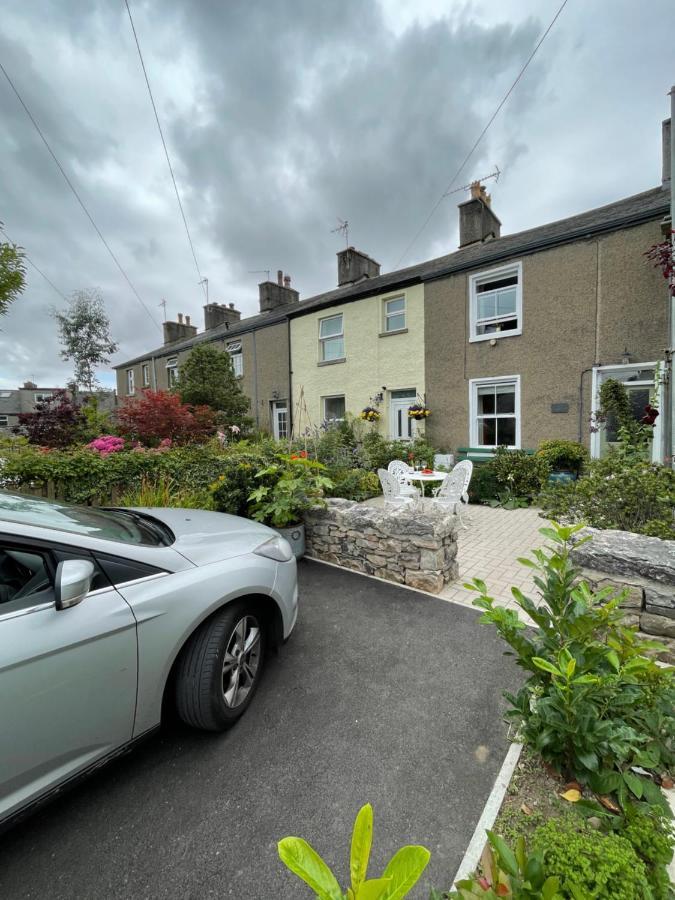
(651, 835)
(508, 874)
(57, 421)
(286, 489)
(594, 705)
(401, 873)
(165, 492)
(379, 452)
(568, 456)
(353, 484)
(207, 379)
(615, 493)
(590, 864)
(156, 416)
(483, 486)
(236, 480)
(518, 472)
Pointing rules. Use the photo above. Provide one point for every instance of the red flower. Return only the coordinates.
(303, 454)
(294, 456)
(650, 415)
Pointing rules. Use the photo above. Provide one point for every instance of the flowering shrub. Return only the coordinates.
(56, 422)
(106, 444)
(157, 416)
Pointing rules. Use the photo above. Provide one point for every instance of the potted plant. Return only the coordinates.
(565, 459)
(288, 488)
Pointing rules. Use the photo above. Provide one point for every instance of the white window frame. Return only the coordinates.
(172, 371)
(323, 406)
(280, 406)
(600, 374)
(41, 396)
(131, 383)
(474, 384)
(490, 275)
(332, 337)
(387, 315)
(234, 348)
(145, 371)
(4, 420)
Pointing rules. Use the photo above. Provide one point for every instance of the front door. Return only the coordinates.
(403, 428)
(280, 419)
(67, 677)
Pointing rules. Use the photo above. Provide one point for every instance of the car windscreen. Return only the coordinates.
(124, 525)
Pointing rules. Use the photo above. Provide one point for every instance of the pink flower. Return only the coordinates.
(107, 444)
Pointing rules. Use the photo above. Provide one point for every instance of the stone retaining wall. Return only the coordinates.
(645, 568)
(415, 548)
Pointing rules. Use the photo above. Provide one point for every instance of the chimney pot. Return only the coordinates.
(280, 277)
(187, 320)
(231, 305)
(287, 281)
(180, 318)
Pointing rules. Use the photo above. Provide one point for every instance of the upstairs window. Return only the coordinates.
(40, 398)
(172, 371)
(331, 339)
(4, 421)
(237, 357)
(131, 385)
(394, 314)
(496, 303)
(145, 374)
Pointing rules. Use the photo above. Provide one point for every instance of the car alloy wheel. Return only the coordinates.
(241, 661)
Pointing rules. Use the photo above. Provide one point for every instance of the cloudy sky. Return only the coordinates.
(282, 115)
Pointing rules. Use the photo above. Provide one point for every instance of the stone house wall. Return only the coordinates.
(419, 550)
(642, 566)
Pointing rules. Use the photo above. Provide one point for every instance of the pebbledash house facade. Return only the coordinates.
(507, 340)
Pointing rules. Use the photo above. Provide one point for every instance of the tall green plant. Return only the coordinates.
(400, 875)
(595, 705)
(287, 488)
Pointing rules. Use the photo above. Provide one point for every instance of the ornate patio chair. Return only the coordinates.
(392, 490)
(400, 470)
(453, 490)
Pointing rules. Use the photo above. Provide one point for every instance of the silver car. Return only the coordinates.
(109, 615)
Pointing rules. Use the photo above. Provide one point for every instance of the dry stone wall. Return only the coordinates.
(413, 547)
(642, 566)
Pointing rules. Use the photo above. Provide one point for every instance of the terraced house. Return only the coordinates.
(507, 340)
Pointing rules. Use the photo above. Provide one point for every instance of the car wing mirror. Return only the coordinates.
(73, 582)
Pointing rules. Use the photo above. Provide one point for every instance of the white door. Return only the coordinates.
(280, 419)
(402, 427)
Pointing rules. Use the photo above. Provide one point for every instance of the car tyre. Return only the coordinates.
(220, 667)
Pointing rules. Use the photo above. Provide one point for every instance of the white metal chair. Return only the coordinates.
(454, 489)
(391, 489)
(400, 470)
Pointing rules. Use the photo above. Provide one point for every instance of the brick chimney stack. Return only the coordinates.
(216, 314)
(178, 331)
(272, 295)
(353, 266)
(477, 221)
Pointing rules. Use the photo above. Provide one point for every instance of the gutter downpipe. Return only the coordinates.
(670, 439)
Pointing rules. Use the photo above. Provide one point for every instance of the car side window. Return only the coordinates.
(25, 578)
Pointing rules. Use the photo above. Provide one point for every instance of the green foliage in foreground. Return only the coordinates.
(399, 877)
(594, 705)
(589, 863)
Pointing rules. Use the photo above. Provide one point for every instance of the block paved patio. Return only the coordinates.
(489, 549)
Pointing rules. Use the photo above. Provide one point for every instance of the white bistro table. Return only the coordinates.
(430, 478)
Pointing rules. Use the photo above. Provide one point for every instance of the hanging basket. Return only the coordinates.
(418, 411)
(369, 414)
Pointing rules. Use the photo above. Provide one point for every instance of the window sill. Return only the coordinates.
(496, 335)
(390, 333)
(331, 362)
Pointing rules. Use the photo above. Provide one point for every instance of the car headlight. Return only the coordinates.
(276, 548)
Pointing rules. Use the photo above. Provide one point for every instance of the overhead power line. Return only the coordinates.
(480, 136)
(77, 196)
(166, 151)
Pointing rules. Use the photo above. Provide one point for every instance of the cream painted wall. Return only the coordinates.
(371, 360)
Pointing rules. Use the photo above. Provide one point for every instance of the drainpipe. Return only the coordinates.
(290, 385)
(255, 382)
(671, 309)
(581, 402)
(154, 374)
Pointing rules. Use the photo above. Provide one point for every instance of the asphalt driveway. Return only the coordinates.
(382, 695)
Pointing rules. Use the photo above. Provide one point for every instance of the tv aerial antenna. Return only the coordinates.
(162, 303)
(465, 187)
(260, 272)
(343, 228)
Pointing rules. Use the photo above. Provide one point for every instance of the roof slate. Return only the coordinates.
(634, 210)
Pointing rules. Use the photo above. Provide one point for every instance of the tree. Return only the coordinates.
(12, 274)
(158, 416)
(84, 331)
(207, 379)
(57, 422)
